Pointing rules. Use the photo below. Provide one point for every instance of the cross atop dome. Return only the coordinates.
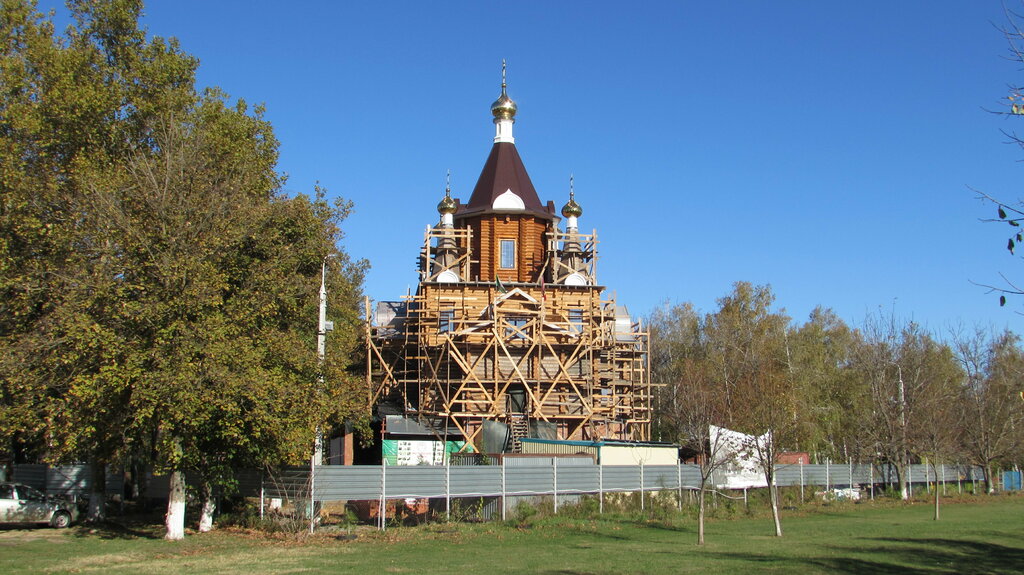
(504, 111)
(504, 186)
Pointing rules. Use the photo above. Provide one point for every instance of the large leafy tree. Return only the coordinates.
(831, 410)
(159, 290)
(754, 362)
(730, 369)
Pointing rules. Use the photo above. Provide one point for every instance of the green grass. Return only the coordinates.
(980, 536)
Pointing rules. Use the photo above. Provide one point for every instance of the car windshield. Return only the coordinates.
(27, 492)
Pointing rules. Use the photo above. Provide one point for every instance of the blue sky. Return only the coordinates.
(825, 148)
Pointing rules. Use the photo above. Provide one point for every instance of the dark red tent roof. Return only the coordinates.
(504, 170)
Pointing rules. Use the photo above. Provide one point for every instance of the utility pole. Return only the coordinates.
(904, 488)
(322, 327)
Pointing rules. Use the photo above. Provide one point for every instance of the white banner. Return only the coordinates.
(740, 464)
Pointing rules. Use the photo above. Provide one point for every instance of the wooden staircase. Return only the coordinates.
(518, 428)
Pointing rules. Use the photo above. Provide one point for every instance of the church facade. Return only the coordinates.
(509, 334)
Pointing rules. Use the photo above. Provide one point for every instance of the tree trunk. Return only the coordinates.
(901, 478)
(700, 516)
(773, 496)
(990, 487)
(175, 518)
(97, 492)
(936, 473)
(209, 505)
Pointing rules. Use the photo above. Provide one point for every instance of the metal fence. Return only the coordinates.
(560, 478)
(67, 480)
(552, 477)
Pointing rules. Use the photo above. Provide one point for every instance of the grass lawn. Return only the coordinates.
(978, 535)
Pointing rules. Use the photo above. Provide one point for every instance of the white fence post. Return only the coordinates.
(447, 492)
(600, 488)
(910, 480)
(554, 476)
(801, 480)
(382, 510)
(679, 484)
(312, 490)
(851, 476)
(828, 475)
(871, 479)
(503, 502)
(641, 486)
(262, 495)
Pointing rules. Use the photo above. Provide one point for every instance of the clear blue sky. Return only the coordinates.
(825, 148)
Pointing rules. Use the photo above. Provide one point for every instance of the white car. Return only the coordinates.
(23, 504)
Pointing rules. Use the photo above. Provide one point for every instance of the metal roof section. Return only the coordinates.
(400, 425)
(503, 174)
(601, 443)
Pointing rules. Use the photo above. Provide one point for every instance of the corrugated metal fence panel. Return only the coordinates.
(540, 461)
(814, 475)
(578, 479)
(658, 477)
(339, 483)
(31, 475)
(481, 480)
(621, 477)
(966, 472)
(69, 479)
(691, 475)
(559, 448)
(289, 483)
(789, 474)
(248, 482)
(415, 481)
(529, 480)
(863, 473)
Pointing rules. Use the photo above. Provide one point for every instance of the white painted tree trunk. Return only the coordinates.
(904, 487)
(209, 506)
(700, 516)
(175, 518)
(773, 496)
(97, 493)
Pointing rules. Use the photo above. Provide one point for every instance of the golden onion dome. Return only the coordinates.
(503, 108)
(447, 204)
(572, 209)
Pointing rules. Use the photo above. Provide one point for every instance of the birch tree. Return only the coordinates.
(990, 398)
(747, 343)
(691, 401)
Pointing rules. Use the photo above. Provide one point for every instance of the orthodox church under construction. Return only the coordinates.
(509, 334)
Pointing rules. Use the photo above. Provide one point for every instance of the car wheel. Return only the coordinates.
(61, 520)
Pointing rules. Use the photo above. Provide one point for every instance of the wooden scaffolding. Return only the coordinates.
(541, 358)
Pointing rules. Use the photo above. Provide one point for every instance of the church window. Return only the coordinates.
(576, 320)
(446, 319)
(508, 254)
